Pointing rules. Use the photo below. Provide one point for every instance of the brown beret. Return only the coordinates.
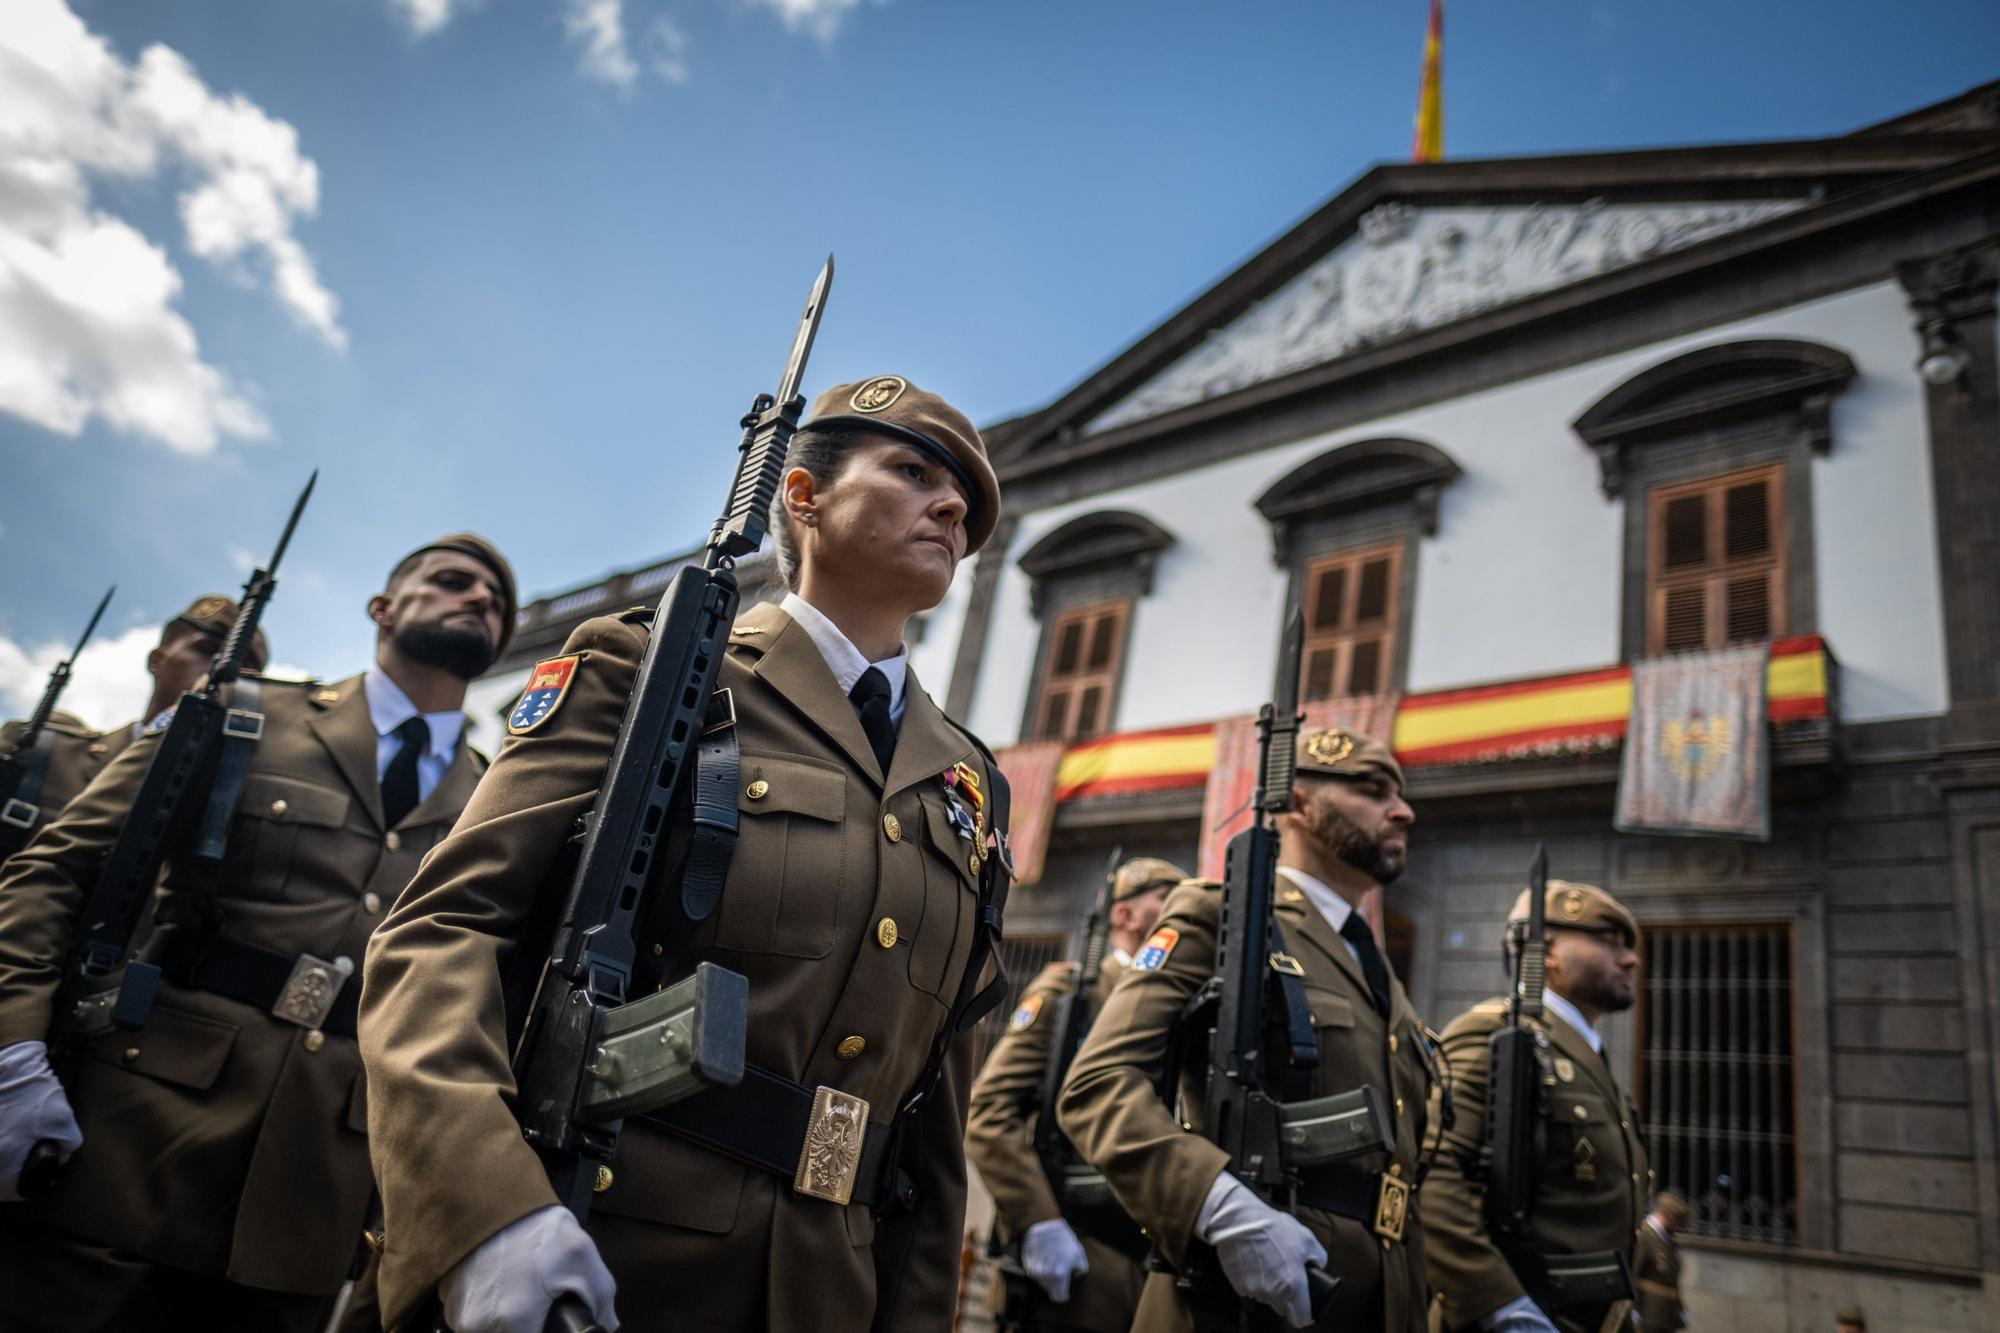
(214, 614)
(1672, 1207)
(1347, 754)
(891, 405)
(1142, 873)
(1582, 905)
(487, 554)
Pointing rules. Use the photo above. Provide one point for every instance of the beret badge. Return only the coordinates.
(1329, 747)
(878, 393)
(208, 608)
(1572, 904)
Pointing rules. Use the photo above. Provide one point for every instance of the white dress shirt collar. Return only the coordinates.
(1573, 1016)
(1331, 905)
(1124, 959)
(389, 708)
(842, 657)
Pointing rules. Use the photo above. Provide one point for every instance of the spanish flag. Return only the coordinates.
(1429, 144)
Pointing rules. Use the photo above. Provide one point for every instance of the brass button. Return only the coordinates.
(1635, 1177)
(394, 842)
(1624, 1124)
(278, 807)
(371, 902)
(1581, 1114)
(377, 1239)
(972, 863)
(893, 827)
(1392, 1043)
(315, 1039)
(1399, 1106)
(755, 791)
(850, 1047)
(603, 1181)
(131, 1054)
(1395, 1168)
(885, 932)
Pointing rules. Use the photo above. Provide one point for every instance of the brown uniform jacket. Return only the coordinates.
(218, 1139)
(76, 754)
(1000, 1143)
(1656, 1272)
(827, 853)
(1594, 1181)
(1162, 1173)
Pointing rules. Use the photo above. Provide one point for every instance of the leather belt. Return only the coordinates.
(1376, 1199)
(772, 1123)
(294, 988)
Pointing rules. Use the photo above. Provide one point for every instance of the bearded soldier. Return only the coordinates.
(1346, 834)
(1593, 1183)
(1087, 1271)
(217, 1172)
(852, 903)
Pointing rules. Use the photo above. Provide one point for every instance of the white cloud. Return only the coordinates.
(88, 324)
(598, 26)
(427, 16)
(110, 684)
(819, 17)
(666, 50)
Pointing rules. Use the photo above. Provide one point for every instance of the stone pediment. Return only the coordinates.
(1408, 268)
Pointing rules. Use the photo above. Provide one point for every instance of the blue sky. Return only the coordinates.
(534, 282)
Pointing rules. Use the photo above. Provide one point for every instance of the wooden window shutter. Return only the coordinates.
(1716, 569)
(1351, 624)
(1079, 675)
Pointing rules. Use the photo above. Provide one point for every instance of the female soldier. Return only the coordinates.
(852, 905)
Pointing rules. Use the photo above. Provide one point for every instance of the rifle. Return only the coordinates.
(1072, 1022)
(196, 773)
(1516, 1134)
(586, 1058)
(21, 768)
(1267, 1139)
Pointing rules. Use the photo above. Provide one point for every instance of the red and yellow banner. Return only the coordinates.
(1579, 711)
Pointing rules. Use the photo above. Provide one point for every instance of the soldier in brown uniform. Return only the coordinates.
(851, 904)
(75, 753)
(1594, 1179)
(1656, 1272)
(222, 1178)
(1092, 1286)
(1347, 834)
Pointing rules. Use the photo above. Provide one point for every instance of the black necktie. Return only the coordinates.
(1356, 932)
(399, 779)
(870, 697)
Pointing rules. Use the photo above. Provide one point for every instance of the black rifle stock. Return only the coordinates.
(101, 989)
(586, 1057)
(1514, 1088)
(19, 813)
(1242, 1112)
(1072, 1022)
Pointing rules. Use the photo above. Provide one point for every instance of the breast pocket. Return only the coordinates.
(784, 881)
(279, 821)
(951, 904)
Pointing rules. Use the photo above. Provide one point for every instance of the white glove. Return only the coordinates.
(1520, 1315)
(1264, 1252)
(32, 1108)
(508, 1284)
(1053, 1257)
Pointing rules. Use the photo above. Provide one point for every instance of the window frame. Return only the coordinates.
(1716, 570)
(1389, 630)
(1106, 677)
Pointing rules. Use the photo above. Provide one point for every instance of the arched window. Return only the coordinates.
(1084, 579)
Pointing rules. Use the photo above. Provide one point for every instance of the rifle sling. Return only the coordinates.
(1298, 1024)
(24, 811)
(712, 839)
(242, 726)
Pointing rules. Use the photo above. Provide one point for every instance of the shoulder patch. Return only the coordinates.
(1025, 1016)
(547, 687)
(1155, 952)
